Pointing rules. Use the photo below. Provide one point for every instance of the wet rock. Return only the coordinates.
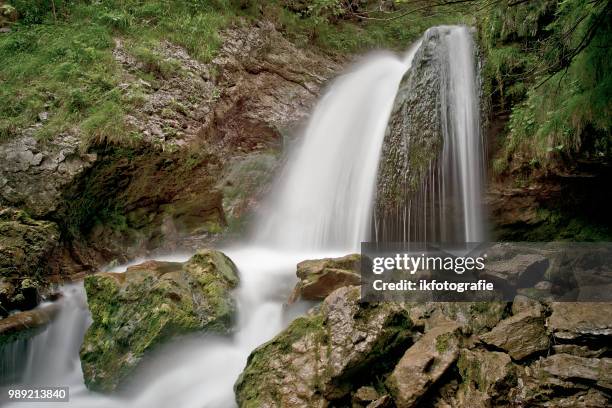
(423, 364)
(19, 323)
(134, 311)
(570, 321)
(413, 139)
(33, 173)
(520, 335)
(25, 248)
(566, 366)
(486, 378)
(319, 278)
(338, 346)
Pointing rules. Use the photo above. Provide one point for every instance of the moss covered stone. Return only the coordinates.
(134, 311)
(322, 356)
(25, 246)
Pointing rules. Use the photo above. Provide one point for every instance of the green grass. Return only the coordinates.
(59, 75)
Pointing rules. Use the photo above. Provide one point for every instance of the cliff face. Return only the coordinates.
(205, 140)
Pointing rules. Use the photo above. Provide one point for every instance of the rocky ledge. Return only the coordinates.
(137, 310)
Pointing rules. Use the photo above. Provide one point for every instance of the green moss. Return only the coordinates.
(134, 312)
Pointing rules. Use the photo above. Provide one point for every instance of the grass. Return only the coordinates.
(59, 75)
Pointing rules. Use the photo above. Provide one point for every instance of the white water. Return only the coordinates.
(324, 201)
(324, 198)
(463, 152)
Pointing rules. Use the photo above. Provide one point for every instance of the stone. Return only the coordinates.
(318, 278)
(487, 376)
(570, 321)
(567, 366)
(135, 311)
(36, 173)
(423, 364)
(383, 402)
(322, 356)
(520, 335)
(522, 270)
(364, 396)
(25, 248)
(20, 323)
(525, 304)
(580, 351)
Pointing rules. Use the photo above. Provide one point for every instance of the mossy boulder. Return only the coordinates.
(25, 247)
(135, 311)
(338, 346)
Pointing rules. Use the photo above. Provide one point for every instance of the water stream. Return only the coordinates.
(320, 207)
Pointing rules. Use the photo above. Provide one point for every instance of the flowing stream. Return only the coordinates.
(321, 207)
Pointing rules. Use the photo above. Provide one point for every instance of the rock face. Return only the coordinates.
(319, 278)
(33, 174)
(25, 248)
(135, 311)
(320, 357)
(423, 364)
(414, 136)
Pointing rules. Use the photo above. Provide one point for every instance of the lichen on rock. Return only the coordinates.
(135, 311)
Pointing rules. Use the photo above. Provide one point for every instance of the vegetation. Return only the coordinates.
(548, 65)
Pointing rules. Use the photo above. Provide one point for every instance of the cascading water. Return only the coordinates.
(325, 198)
(323, 202)
(442, 110)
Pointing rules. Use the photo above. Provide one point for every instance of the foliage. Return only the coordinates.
(548, 61)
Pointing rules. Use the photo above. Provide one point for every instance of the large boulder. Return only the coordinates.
(423, 364)
(320, 277)
(25, 248)
(338, 346)
(134, 311)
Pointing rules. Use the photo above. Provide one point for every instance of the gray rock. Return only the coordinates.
(34, 173)
(423, 364)
(523, 270)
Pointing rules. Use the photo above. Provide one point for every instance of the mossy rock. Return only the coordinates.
(135, 311)
(25, 246)
(337, 347)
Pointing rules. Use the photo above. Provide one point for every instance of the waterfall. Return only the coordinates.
(321, 207)
(324, 197)
(437, 195)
